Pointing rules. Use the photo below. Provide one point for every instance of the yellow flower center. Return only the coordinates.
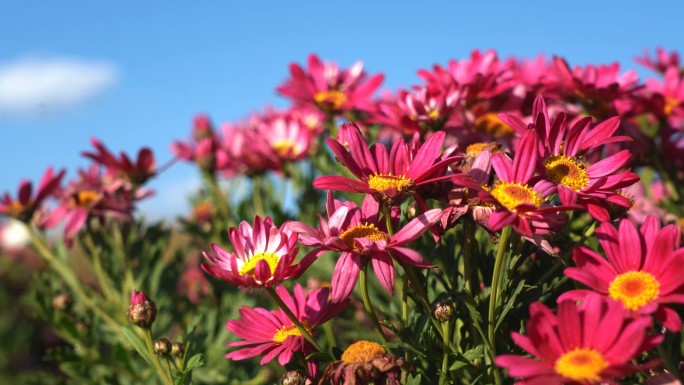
(581, 365)
(289, 330)
(250, 265)
(284, 147)
(367, 230)
(433, 114)
(475, 149)
(670, 104)
(491, 124)
(86, 198)
(384, 183)
(331, 99)
(362, 351)
(511, 195)
(634, 289)
(567, 171)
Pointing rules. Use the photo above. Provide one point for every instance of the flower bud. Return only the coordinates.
(177, 349)
(142, 310)
(293, 377)
(443, 311)
(162, 347)
(62, 302)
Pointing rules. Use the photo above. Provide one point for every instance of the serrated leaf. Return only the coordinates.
(137, 343)
(194, 362)
(509, 304)
(411, 380)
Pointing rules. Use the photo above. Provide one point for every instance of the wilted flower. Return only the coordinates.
(364, 362)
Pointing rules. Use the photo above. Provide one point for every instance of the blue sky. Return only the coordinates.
(148, 67)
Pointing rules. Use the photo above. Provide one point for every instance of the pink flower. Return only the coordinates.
(388, 177)
(330, 89)
(562, 150)
(263, 256)
(668, 97)
(662, 61)
(644, 269)
(361, 237)
(202, 148)
(589, 343)
(272, 333)
(25, 206)
(135, 173)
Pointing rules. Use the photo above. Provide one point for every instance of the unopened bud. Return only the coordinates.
(293, 377)
(162, 347)
(142, 311)
(443, 311)
(62, 302)
(177, 349)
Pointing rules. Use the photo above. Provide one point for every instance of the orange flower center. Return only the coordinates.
(634, 289)
(289, 330)
(511, 195)
(581, 365)
(14, 208)
(491, 124)
(366, 230)
(670, 105)
(250, 265)
(567, 171)
(284, 147)
(476, 149)
(362, 351)
(331, 99)
(86, 198)
(384, 183)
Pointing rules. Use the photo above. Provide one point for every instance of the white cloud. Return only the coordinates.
(35, 85)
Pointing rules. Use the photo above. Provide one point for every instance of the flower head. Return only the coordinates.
(271, 333)
(27, 203)
(263, 257)
(589, 343)
(134, 172)
(364, 362)
(644, 269)
(142, 311)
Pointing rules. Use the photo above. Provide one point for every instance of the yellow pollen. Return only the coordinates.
(250, 265)
(289, 330)
(330, 100)
(366, 230)
(634, 289)
(15, 208)
(670, 104)
(476, 149)
(362, 351)
(511, 195)
(433, 114)
(86, 198)
(284, 147)
(567, 171)
(581, 365)
(384, 183)
(491, 124)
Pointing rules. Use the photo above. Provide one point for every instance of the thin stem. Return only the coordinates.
(387, 213)
(102, 278)
(155, 359)
(669, 363)
(468, 241)
(256, 195)
(368, 305)
(499, 266)
(304, 332)
(219, 197)
(446, 352)
(168, 366)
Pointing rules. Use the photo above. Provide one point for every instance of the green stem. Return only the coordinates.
(155, 359)
(100, 274)
(219, 197)
(669, 363)
(499, 266)
(256, 195)
(363, 277)
(445, 356)
(468, 241)
(304, 332)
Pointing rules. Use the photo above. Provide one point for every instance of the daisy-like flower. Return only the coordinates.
(330, 88)
(562, 150)
(25, 206)
(662, 61)
(364, 362)
(361, 237)
(520, 203)
(388, 177)
(263, 257)
(668, 96)
(135, 172)
(271, 333)
(644, 269)
(589, 343)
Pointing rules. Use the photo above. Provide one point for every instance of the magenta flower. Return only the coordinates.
(668, 97)
(202, 148)
(25, 206)
(644, 269)
(263, 256)
(388, 177)
(662, 61)
(135, 172)
(589, 343)
(562, 150)
(520, 204)
(361, 237)
(271, 333)
(329, 88)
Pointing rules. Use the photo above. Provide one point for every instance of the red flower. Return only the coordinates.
(24, 207)
(589, 343)
(644, 269)
(135, 173)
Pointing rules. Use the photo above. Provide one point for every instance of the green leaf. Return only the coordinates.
(137, 343)
(411, 380)
(509, 304)
(194, 362)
